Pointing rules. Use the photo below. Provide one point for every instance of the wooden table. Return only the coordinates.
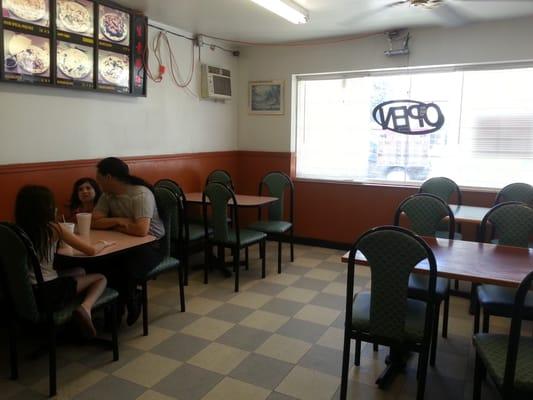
(468, 213)
(123, 242)
(475, 262)
(243, 200)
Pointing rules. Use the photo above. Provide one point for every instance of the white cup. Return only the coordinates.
(68, 226)
(84, 224)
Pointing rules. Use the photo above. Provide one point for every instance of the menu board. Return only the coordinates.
(92, 45)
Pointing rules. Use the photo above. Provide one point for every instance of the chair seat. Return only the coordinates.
(418, 285)
(196, 232)
(247, 236)
(414, 322)
(271, 227)
(499, 300)
(166, 264)
(492, 349)
(108, 296)
(445, 235)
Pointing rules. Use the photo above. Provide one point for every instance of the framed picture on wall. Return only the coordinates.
(266, 98)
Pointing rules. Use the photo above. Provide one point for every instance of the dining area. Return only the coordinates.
(296, 300)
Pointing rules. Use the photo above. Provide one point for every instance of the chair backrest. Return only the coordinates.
(512, 223)
(514, 336)
(442, 187)
(521, 192)
(392, 253)
(425, 212)
(16, 261)
(276, 183)
(220, 176)
(182, 213)
(219, 196)
(168, 206)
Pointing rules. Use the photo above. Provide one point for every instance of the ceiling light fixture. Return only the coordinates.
(287, 9)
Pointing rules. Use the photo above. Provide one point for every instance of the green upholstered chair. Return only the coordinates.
(168, 208)
(508, 359)
(521, 192)
(191, 234)
(512, 223)
(447, 190)
(24, 308)
(276, 184)
(219, 195)
(386, 315)
(220, 176)
(425, 213)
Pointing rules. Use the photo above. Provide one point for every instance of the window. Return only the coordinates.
(486, 139)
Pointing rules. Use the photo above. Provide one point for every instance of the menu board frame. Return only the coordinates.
(131, 49)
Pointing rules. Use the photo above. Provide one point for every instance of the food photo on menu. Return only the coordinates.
(114, 26)
(26, 54)
(74, 62)
(113, 69)
(33, 11)
(75, 16)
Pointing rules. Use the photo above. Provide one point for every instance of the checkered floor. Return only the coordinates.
(279, 338)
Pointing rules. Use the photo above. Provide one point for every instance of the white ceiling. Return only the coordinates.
(246, 21)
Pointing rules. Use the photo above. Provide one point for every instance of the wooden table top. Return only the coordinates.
(243, 200)
(475, 262)
(468, 213)
(123, 242)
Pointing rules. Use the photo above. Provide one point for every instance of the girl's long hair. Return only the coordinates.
(35, 209)
(75, 198)
(119, 169)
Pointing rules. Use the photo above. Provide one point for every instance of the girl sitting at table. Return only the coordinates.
(35, 213)
(128, 206)
(85, 195)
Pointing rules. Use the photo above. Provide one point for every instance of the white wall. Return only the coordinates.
(485, 42)
(50, 124)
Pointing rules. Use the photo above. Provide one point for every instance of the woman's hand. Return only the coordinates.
(102, 244)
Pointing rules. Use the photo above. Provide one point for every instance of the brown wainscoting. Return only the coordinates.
(190, 170)
(325, 211)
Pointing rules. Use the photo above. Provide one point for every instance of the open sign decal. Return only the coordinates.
(409, 117)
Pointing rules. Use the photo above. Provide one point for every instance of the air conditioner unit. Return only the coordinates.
(216, 82)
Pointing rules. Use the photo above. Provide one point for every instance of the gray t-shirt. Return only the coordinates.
(137, 202)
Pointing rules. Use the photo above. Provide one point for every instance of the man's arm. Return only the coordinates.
(139, 227)
(100, 221)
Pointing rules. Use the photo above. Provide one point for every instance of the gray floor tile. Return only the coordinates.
(244, 338)
(112, 388)
(188, 383)
(312, 284)
(279, 396)
(180, 347)
(282, 307)
(271, 289)
(219, 294)
(175, 322)
(337, 267)
(261, 371)
(323, 359)
(295, 270)
(330, 301)
(303, 330)
(103, 360)
(230, 313)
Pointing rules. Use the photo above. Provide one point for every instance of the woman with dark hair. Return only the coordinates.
(35, 213)
(85, 195)
(128, 205)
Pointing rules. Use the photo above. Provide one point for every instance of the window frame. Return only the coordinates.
(321, 76)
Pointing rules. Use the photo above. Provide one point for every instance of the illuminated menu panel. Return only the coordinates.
(82, 44)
